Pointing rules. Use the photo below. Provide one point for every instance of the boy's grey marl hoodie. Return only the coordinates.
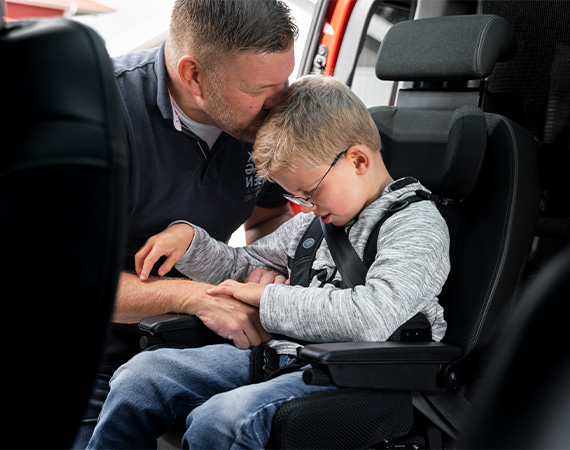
(411, 266)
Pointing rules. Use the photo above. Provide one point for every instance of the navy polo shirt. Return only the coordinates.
(174, 176)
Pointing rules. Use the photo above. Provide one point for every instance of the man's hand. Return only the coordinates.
(172, 243)
(232, 319)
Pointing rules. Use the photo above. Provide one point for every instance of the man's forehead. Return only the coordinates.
(262, 70)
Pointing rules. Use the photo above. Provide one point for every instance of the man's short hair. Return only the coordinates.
(318, 118)
(213, 30)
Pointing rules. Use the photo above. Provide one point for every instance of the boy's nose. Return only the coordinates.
(307, 209)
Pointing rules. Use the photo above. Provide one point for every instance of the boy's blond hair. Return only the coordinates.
(318, 118)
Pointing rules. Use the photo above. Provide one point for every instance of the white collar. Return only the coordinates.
(209, 133)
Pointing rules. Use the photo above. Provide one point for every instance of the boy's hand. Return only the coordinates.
(172, 243)
(265, 276)
(249, 293)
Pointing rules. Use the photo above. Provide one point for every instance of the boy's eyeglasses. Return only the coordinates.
(305, 201)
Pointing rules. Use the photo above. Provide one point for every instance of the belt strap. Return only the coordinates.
(352, 269)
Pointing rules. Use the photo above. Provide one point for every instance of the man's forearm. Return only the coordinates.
(137, 299)
(223, 314)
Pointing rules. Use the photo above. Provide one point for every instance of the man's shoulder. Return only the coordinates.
(136, 61)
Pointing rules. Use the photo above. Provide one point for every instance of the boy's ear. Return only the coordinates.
(191, 74)
(360, 159)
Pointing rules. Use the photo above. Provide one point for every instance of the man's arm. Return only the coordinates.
(224, 315)
(265, 220)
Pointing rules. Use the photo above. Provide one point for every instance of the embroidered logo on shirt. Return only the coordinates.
(253, 182)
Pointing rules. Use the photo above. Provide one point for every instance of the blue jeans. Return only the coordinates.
(208, 386)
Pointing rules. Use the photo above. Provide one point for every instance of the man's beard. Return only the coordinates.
(217, 108)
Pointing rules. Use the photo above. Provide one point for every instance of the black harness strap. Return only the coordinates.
(351, 268)
(301, 265)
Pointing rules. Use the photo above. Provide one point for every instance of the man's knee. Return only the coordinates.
(140, 373)
(130, 369)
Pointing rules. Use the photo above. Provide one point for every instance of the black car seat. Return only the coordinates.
(487, 165)
(62, 203)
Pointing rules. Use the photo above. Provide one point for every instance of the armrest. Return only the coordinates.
(176, 330)
(408, 366)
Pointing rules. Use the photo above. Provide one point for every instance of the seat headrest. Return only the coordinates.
(445, 48)
(441, 148)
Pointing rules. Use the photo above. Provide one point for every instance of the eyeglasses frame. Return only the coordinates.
(305, 201)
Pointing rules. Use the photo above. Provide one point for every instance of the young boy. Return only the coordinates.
(321, 145)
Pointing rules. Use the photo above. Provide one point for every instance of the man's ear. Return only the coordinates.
(360, 159)
(191, 74)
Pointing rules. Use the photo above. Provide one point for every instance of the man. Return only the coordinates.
(193, 108)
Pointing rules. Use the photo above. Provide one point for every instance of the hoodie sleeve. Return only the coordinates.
(213, 261)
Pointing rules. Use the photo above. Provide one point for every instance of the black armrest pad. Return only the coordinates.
(176, 330)
(416, 366)
(169, 322)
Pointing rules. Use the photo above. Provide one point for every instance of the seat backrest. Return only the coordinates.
(485, 162)
(62, 203)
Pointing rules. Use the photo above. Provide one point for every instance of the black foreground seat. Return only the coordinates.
(485, 164)
(525, 397)
(62, 203)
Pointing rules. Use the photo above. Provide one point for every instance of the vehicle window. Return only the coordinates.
(370, 89)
